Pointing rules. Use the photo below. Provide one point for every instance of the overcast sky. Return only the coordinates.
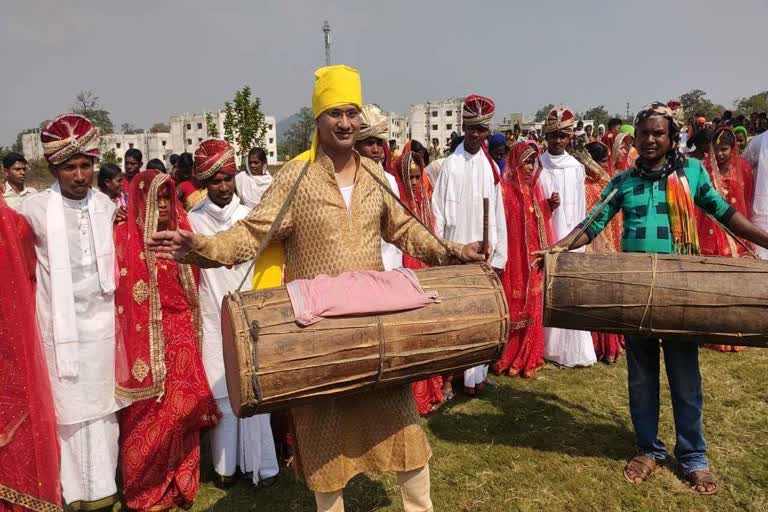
(148, 59)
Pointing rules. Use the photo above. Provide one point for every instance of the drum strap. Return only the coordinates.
(276, 224)
(385, 186)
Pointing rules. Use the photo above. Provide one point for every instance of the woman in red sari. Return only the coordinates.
(620, 150)
(29, 445)
(732, 177)
(529, 229)
(159, 364)
(416, 192)
(599, 166)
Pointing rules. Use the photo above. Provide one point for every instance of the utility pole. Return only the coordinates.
(327, 40)
(627, 111)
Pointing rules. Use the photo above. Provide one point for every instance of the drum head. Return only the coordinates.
(231, 353)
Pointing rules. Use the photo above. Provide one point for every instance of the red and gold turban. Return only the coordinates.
(478, 111)
(212, 156)
(69, 135)
(560, 119)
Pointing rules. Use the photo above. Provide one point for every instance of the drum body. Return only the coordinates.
(273, 363)
(690, 298)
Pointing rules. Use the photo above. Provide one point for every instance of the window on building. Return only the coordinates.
(189, 142)
(449, 126)
(448, 113)
(189, 126)
(434, 127)
(117, 145)
(162, 142)
(271, 153)
(271, 140)
(434, 113)
(130, 145)
(269, 127)
(199, 126)
(199, 139)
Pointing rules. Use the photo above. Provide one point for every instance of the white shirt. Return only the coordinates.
(91, 394)
(565, 175)
(457, 203)
(756, 153)
(13, 198)
(251, 187)
(215, 283)
(391, 256)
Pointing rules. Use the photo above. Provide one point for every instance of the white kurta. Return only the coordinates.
(457, 204)
(565, 175)
(85, 405)
(251, 187)
(247, 442)
(756, 154)
(391, 256)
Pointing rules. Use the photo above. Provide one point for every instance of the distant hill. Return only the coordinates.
(283, 125)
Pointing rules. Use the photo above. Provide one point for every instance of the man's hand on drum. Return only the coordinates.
(538, 260)
(171, 245)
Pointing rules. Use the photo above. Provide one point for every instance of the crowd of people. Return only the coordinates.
(122, 362)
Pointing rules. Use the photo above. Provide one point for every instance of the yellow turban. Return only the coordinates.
(334, 86)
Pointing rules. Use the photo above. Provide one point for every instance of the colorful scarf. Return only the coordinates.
(682, 214)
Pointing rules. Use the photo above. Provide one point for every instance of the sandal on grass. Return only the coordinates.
(702, 482)
(639, 469)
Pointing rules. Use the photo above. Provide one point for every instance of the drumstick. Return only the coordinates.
(486, 248)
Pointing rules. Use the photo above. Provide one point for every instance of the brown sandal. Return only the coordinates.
(702, 482)
(642, 466)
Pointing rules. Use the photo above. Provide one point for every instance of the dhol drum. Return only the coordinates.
(690, 298)
(272, 363)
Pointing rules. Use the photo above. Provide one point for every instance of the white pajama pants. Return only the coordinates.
(475, 376)
(246, 443)
(89, 462)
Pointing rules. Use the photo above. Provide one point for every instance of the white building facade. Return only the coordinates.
(435, 120)
(186, 133)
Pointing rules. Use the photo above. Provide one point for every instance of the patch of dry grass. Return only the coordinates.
(559, 443)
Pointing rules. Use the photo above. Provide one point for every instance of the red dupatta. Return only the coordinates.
(140, 341)
(418, 198)
(736, 185)
(529, 228)
(29, 444)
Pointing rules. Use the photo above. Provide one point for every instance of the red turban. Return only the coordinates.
(478, 111)
(212, 156)
(560, 119)
(69, 135)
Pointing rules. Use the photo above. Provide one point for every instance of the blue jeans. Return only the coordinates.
(682, 364)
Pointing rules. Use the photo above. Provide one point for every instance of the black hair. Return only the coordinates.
(259, 152)
(186, 161)
(517, 127)
(726, 137)
(455, 143)
(107, 172)
(702, 138)
(174, 159)
(580, 123)
(157, 165)
(135, 154)
(614, 122)
(597, 150)
(11, 158)
(419, 148)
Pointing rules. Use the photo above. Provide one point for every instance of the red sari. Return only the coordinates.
(428, 393)
(608, 346)
(736, 185)
(529, 229)
(29, 444)
(159, 364)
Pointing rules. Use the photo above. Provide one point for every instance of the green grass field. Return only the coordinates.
(559, 443)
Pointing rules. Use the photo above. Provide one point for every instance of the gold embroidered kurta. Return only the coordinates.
(337, 438)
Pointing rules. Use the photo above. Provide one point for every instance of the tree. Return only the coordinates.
(696, 102)
(128, 128)
(211, 126)
(541, 114)
(18, 146)
(160, 128)
(597, 114)
(755, 103)
(110, 157)
(244, 123)
(298, 137)
(87, 105)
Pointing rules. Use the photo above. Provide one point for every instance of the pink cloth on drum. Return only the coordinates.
(356, 293)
